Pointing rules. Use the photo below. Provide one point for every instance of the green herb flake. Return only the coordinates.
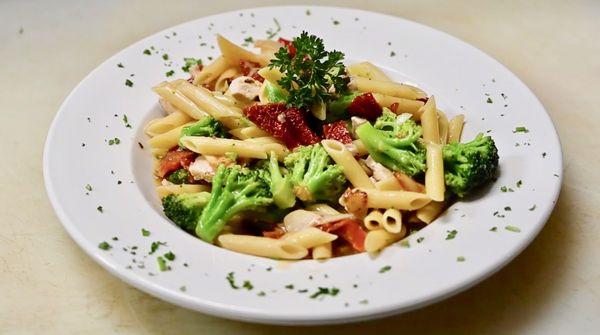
(323, 291)
(271, 33)
(519, 183)
(145, 232)
(405, 243)
(521, 129)
(460, 259)
(120, 65)
(532, 208)
(307, 12)
(231, 280)
(247, 41)
(289, 286)
(155, 245)
(88, 187)
(513, 229)
(363, 302)
(494, 229)
(507, 208)
(261, 294)
(451, 234)
(489, 100)
(128, 83)
(170, 73)
(115, 238)
(147, 52)
(248, 285)
(104, 245)
(385, 269)
(504, 189)
(165, 57)
(189, 62)
(269, 269)
(183, 288)
(169, 256)
(162, 264)
(420, 239)
(392, 53)
(336, 22)
(100, 209)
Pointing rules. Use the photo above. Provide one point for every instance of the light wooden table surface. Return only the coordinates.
(48, 285)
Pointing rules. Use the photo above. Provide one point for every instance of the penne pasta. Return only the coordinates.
(234, 53)
(180, 101)
(430, 212)
(204, 99)
(322, 251)
(384, 87)
(455, 127)
(373, 220)
(164, 124)
(409, 184)
(389, 184)
(323, 209)
(392, 220)
(434, 175)
(263, 246)
(164, 190)
(309, 237)
(211, 71)
(381, 238)
(443, 127)
(403, 105)
(429, 121)
(222, 83)
(352, 170)
(367, 70)
(249, 132)
(167, 140)
(361, 150)
(220, 146)
(401, 200)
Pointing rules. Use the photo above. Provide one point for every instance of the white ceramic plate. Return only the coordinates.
(463, 79)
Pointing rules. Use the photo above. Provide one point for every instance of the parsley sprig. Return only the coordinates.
(311, 74)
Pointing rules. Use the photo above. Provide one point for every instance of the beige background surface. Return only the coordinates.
(48, 285)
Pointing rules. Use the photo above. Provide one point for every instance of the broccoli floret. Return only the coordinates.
(394, 144)
(313, 174)
(338, 109)
(281, 185)
(469, 165)
(181, 176)
(185, 209)
(234, 190)
(206, 126)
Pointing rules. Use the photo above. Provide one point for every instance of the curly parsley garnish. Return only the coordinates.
(310, 74)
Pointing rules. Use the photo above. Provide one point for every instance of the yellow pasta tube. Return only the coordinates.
(384, 87)
(234, 53)
(381, 238)
(164, 190)
(443, 127)
(179, 100)
(263, 246)
(164, 124)
(309, 237)
(401, 200)
(404, 105)
(204, 99)
(455, 127)
(430, 212)
(221, 85)
(373, 220)
(434, 176)
(322, 208)
(323, 251)
(167, 140)
(219, 146)
(211, 71)
(389, 184)
(352, 170)
(367, 70)
(429, 122)
(392, 220)
(360, 147)
(249, 132)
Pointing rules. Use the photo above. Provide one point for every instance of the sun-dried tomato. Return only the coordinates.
(337, 131)
(394, 107)
(248, 68)
(304, 134)
(349, 230)
(289, 45)
(272, 119)
(174, 160)
(365, 106)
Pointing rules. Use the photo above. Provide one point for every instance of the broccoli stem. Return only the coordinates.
(281, 187)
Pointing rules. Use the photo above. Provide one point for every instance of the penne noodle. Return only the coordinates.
(323, 209)
(164, 190)
(384, 87)
(389, 184)
(272, 75)
(392, 220)
(164, 124)
(309, 237)
(180, 101)
(250, 132)
(211, 71)
(381, 238)
(220, 146)
(367, 70)
(429, 122)
(430, 212)
(169, 139)
(443, 127)
(234, 53)
(267, 45)
(455, 127)
(322, 251)
(222, 83)
(434, 175)
(263, 246)
(409, 184)
(352, 170)
(404, 105)
(204, 99)
(373, 220)
(400, 200)
(361, 150)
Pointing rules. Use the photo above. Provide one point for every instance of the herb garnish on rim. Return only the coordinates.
(310, 74)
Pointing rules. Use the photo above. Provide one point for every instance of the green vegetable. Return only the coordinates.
(234, 190)
(185, 209)
(206, 126)
(314, 175)
(311, 75)
(281, 186)
(189, 62)
(469, 165)
(325, 291)
(338, 109)
(181, 176)
(104, 245)
(274, 93)
(162, 264)
(394, 145)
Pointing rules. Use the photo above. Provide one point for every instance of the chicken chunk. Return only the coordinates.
(244, 88)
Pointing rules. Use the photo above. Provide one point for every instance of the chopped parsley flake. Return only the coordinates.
(363, 302)
(392, 54)
(269, 269)
(385, 269)
(169, 256)
(489, 100)
(420, 239)
(165, 57)
(451, 234)
(115, 238)
(544, 155)
(519, 183)
(126, 121)
(503, 189)
(323, 291)
(247, 285)
(303, 290)
(100, 209)
(155, 245)
(147, 52)
(128, 83)
(247, 41)
(120, 65)
(405, 243)
(114, 141)
(88, 187)
(183, 288)
(271, 33)
(140, 145)
(162, 264)
(145, 232)
(104, 245)
(532, 208)
(261, 294)
(336, 22)
(170, 73)
(189, 62)
(513, 229)
(307, 12)
(289, 286)
(460, 259)
(521, 129)
(507, 208)
(231, 279)
(494, 229)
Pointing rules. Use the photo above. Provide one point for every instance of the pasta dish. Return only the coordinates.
(288, 153)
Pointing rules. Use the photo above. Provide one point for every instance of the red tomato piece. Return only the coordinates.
(175, 160)
(337, 131)
(289, 45)
(365, 106)
(349, 230)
